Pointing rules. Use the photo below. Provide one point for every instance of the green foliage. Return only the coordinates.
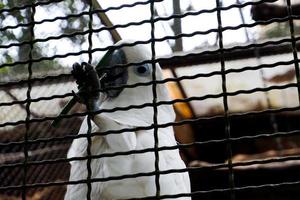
(2, 5)
(4, 70)
(21, 34)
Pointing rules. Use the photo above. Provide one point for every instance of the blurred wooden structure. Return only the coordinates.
(268, 11)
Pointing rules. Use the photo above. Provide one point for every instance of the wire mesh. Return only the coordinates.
(234, 86)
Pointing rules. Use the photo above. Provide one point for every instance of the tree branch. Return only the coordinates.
(106, 21)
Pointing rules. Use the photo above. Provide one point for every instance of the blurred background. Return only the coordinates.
(256, 130)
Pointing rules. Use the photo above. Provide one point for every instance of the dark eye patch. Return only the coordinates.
(142, 70)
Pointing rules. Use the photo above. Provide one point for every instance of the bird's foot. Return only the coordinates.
(88, 84)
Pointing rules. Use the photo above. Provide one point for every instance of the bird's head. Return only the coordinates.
(139, 78)
(117, 75)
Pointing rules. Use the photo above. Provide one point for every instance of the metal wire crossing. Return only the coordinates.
(26, 184)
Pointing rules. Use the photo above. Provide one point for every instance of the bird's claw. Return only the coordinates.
(88, 84)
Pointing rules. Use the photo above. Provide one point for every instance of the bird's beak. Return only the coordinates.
(116, 76)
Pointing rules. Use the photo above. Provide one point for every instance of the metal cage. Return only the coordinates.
(235, 92)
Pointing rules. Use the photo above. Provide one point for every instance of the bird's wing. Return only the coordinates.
(170, 159)
(79, 167)
(116, 142)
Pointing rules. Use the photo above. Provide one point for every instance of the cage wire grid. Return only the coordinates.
(221, 53)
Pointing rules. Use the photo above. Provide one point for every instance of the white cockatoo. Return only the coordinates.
(139, 187)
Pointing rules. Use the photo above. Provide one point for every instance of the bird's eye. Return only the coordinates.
(142, 70)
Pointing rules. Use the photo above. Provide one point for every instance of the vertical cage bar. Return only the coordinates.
(154, 92)
(293, 43)
(243, 20)
(28, 99)
(225, 102)
(89, 123)
(273, 119)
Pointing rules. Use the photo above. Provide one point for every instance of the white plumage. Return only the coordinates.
(139, 187)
